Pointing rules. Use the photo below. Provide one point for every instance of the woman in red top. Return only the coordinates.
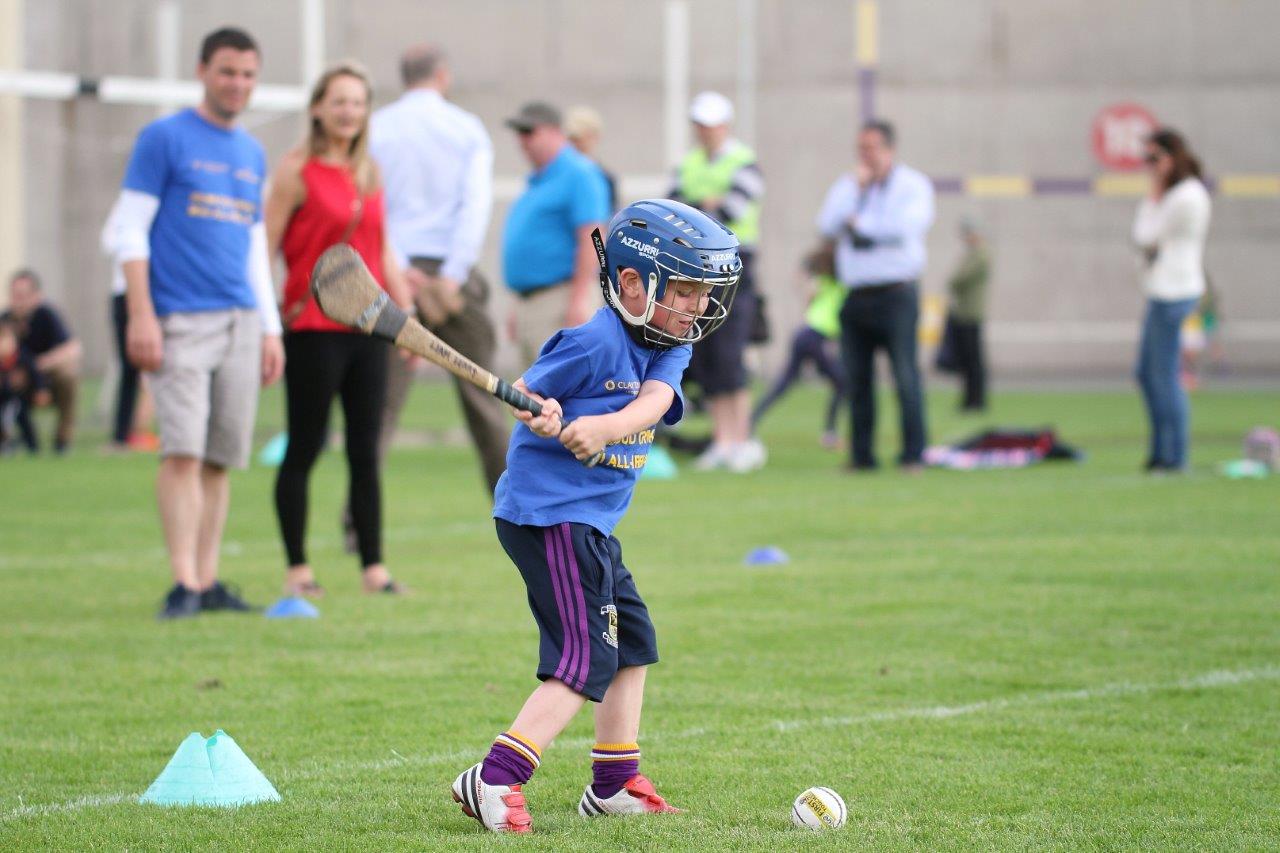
(328, 191)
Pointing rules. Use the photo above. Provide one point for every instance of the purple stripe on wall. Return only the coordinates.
(1061, 186)
(867, 93)
(948, 185)
(953, 185)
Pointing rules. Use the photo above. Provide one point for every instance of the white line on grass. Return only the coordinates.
(103, 558)
(69, 806)
(1217, 678)
(1209, 680)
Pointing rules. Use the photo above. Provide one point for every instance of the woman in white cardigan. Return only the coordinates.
(1170, 231)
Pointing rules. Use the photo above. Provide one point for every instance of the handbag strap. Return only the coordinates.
(357, 213)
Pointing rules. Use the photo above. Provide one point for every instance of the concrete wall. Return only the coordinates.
(978, 86)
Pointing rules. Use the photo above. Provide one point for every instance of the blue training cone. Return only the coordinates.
(272, 453)
(769, 555)
(293, 608)
(659, 465)
(1244, 469)
(213, 772)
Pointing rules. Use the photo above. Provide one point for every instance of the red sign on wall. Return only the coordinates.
(1118, 134)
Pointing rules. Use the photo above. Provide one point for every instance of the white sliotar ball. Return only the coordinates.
(819, 808)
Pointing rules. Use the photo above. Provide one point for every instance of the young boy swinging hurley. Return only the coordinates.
(669, 273)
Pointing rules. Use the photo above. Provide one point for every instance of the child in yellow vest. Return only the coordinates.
(815, 342)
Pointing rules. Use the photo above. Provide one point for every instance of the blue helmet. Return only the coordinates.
(663, 240)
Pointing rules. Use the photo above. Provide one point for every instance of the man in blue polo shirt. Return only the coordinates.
(548, 258)
(202, 314)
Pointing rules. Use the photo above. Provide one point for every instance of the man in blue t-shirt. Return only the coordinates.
(202, 314)
(668, 272)
(547, 256)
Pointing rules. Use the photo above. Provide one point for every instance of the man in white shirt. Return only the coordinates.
(878, 218)
(437, 167)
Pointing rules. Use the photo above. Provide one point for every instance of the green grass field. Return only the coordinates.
(1065, 657)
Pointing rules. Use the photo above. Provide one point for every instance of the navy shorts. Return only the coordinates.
(591, 619)
(717, 364)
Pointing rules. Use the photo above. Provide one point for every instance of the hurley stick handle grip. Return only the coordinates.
(512, 396)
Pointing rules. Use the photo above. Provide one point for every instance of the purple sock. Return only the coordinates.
(511, 760)
(612, 765)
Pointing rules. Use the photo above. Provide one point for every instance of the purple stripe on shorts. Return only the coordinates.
(553, 567)
(575, 628)
(575, 584)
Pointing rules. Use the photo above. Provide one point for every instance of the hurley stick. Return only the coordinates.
(347, 293)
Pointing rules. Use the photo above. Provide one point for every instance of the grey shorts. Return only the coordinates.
(206, 390)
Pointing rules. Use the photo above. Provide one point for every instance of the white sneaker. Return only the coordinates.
(715, 456)
(636, 797)
(748, 456)
(499, 808)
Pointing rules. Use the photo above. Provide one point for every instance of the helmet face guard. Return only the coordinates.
(666, 242)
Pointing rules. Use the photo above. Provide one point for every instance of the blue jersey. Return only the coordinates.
(540, 241)
(592, 369)
(209, 182)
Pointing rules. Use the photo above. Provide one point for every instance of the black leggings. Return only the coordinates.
(808, 345)
(127, 392)
(317, 366)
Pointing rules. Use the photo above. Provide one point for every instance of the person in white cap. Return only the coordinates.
(721, 176)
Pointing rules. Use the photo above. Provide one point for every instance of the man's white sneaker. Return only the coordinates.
(499, 808)
(715, 456)
(748, 456)
(636, 797)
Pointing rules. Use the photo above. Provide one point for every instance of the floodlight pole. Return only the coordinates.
(12, 224)
(311, 14)
(168, 45)
(746, 94)
(676, 80)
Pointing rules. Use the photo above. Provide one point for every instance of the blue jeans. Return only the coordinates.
(1157, 374)
(883, 318)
